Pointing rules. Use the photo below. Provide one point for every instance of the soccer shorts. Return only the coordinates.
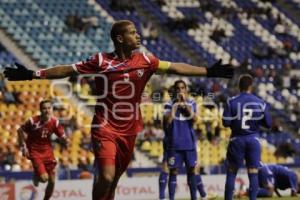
(176, 158)
(43, 166)
(112, 149)
(242, 148)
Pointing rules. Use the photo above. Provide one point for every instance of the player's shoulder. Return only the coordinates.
(34, 119)
(256, 98)
(232, 99)
(54, 121)
(108, 55)
(101, 56)
(146, 56)
(267, 169)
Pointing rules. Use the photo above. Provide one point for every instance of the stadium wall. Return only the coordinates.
(136, 188)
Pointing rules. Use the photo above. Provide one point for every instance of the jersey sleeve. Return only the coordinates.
(27, 125)
(226, 119)
(92, 65)
(152, 61)
(59, 129)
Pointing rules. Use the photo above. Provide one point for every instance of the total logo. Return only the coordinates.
(28, 192)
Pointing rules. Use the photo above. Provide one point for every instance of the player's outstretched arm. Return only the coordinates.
(21, 73)
(216, 70)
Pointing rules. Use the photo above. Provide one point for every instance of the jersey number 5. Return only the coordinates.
(247, 115)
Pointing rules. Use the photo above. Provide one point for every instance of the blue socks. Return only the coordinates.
(229, 185)
(172, 186)
(162, 184)
(200, 186)
(253, 187)
(191, 179)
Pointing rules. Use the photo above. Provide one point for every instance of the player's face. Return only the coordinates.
(46, 110)
(181, 88)
(131, 38)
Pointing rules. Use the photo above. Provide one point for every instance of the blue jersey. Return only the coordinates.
(181, 135)
(277, 176)
(245, 113)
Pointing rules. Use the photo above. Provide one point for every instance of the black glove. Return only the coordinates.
(20, 73)
(219, 70)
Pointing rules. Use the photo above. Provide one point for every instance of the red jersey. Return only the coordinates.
(119, 84)
(38, 141)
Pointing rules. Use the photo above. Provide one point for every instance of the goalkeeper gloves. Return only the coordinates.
(220, 70)
(20, 73)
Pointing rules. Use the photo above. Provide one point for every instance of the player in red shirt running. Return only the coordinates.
(120, 80)
(35, 143)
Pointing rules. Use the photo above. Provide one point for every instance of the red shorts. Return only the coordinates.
(112, 149)
(43, 166)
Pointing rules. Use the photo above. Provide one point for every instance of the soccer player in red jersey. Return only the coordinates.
(120, 80)
(35, 143)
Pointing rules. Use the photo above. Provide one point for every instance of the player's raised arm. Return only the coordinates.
(216, 70)
(21, 73)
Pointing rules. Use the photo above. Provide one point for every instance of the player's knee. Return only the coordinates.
(174, 171)
(51, 180)
(108, 178)
(232, 169)
(44, 178)
(191, 170)
(252, 170)
(165, 167)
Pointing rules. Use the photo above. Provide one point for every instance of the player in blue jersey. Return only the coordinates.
(163, 176)
(180, 114)
(244, 114)
(274, 177)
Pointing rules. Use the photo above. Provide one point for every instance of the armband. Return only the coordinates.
(163, 66)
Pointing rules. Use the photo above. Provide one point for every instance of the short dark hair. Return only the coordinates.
(118, 28)
(179, 81)
(245, 81)
(171, 92)
(44, 102)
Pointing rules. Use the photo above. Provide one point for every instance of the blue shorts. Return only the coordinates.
(242, 148)
(176, 158)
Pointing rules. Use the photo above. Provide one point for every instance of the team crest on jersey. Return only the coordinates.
(140, 73)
